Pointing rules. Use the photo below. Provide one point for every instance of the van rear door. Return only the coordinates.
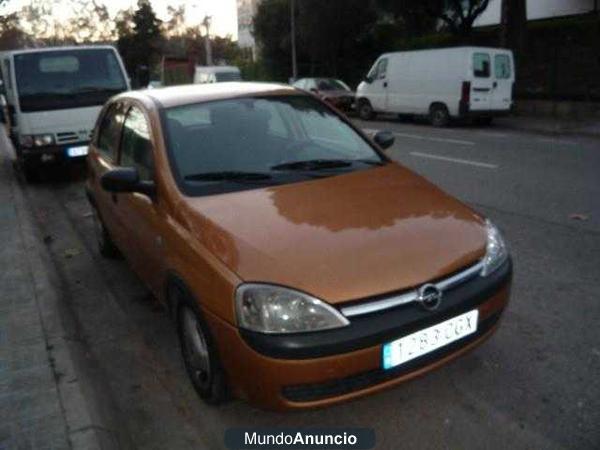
(482, 81)
(503, 74)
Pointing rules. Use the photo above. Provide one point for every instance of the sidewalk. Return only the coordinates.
(49, 392)
(548, 125)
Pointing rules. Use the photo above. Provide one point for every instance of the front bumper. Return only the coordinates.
(50, 154)
(319, 369)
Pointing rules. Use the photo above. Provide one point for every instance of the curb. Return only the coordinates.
(81, 387)
(549, 131)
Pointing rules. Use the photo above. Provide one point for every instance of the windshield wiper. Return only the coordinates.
(323, 164)
(229, 175)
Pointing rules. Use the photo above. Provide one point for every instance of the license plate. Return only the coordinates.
(425, 341)
(73, 152)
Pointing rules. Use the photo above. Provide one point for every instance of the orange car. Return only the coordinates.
(301, 266)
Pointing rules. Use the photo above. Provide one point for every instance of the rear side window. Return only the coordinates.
(109, 133)
(136, 146)
(502, 67)
(481, 65)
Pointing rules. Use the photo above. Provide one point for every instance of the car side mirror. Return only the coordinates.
(385, 139)
(127, 179)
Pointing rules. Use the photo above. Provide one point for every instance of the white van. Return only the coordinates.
(216, 74)
(53, 97)
(441, 84)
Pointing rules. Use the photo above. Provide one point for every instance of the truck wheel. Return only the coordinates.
(365, 110)
(199, 350)
(31, 172)
(106, 246)
(439, 115)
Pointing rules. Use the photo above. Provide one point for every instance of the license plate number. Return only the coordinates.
(73, 152)
(425, 341)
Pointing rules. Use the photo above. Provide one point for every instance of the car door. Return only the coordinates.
(139, 215)
(501, 95)
(102, 157)
(482, 84)
(377, 88)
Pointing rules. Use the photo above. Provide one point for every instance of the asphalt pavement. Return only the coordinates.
(534, 384)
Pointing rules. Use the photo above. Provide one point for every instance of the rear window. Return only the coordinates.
(502, 66)
(481, 65)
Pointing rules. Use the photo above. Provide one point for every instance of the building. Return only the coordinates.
(246, 9)
(538, 9)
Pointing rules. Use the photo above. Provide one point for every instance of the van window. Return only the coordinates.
(136, 147)
(481, 65)
(109, 132)
(502, 66)
(382, 68)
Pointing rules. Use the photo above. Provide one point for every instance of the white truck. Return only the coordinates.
(53, 98)
(216, 74)
(441, 84)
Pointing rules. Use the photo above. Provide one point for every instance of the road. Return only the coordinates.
(535, 384)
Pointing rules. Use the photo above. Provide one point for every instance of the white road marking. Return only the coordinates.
(434, 139)
(556, 141)
(455, 160)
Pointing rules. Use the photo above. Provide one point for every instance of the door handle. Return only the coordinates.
(495, 85)
(385, 84)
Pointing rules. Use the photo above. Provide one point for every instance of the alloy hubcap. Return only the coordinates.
(195, 347)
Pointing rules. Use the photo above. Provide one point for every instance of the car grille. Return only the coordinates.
(341, 386)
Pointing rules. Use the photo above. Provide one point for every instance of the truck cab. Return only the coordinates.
(53, 98)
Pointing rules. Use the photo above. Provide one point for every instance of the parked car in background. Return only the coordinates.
(335, 92)
(461, 82)
(216, 74)
(54, 96)
(301, 265)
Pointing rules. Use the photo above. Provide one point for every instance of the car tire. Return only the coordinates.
(365, 110)
(198, 350)
(439, 115)
(106, 246)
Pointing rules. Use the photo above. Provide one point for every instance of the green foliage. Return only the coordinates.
(140, 39)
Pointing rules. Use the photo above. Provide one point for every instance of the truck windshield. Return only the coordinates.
(64, 79)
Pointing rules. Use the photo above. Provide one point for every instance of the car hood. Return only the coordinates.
(74, 120)
(341, 238)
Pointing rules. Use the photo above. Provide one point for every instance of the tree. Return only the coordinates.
(140, 40)
(414, 19)
(11, 34)
(457, 15)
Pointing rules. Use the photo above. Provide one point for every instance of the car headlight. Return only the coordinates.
(496, 251)
(274, 309)
(42, 140)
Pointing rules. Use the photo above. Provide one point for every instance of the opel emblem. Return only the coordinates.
(430, 296)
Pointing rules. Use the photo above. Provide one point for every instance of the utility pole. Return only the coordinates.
(207, 45)
(293, 21)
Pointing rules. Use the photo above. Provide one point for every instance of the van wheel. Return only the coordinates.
(106, 246)
(199, 351)
(439, 115)
(365, 110)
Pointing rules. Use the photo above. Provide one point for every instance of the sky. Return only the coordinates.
(223, 12)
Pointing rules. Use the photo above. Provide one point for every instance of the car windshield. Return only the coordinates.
(63, 79)
(236, 144)
(329, 84)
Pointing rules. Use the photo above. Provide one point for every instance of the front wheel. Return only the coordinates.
(200, 355)
(365, 110)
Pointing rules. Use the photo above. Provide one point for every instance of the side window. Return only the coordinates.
(136, 146)
(502, 67)
(481, 65)
(382, 69)
(109, 133)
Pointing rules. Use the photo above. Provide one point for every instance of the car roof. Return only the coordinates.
(198, 93)
(54, 49)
